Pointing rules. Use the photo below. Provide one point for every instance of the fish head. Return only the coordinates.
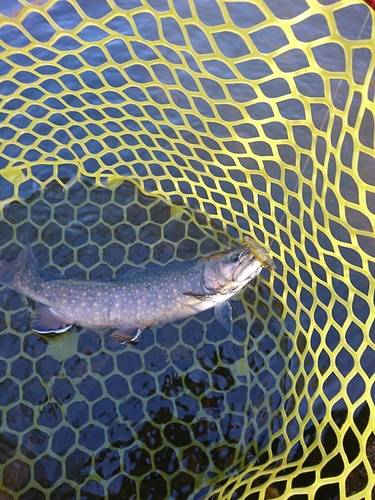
(229, 270)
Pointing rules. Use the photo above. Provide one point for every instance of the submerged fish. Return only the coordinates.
(138, 300)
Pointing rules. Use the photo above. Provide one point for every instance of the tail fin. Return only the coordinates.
(14, 272)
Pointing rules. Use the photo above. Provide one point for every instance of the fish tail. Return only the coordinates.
(21, 272)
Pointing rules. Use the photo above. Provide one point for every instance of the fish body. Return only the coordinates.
(140, 299)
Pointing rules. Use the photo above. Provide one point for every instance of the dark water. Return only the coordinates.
(186, 406)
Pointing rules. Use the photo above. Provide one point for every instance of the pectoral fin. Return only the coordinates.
(46, 320)
(124, 335)
(223, 313)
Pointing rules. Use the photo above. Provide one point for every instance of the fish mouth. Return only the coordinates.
(245, 252)
(247, 266)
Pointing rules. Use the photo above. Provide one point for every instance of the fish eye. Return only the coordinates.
(235, 257)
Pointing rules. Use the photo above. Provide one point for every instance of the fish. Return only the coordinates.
(141, 298)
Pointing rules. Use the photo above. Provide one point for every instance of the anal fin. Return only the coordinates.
(124, 335)
(46, 320)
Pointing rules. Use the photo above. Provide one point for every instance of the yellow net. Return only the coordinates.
(135, 132)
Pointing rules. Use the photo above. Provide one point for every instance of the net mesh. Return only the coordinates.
(136, 132)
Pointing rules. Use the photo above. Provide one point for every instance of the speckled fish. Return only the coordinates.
(140, 299)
